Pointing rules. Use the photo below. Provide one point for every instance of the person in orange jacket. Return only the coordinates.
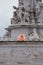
(21, 37)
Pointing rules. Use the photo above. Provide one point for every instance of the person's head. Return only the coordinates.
(21, 35)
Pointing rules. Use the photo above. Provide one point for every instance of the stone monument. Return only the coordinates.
(26, 25)
(28, 20)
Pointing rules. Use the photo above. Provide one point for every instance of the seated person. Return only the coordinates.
(21, 37)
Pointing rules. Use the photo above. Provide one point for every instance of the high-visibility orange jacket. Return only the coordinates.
(21, 38)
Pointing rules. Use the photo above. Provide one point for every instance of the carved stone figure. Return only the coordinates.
(37, 9)
(32, 18)
(21, 13)
(34, 36)
(15, 18)
(26, 17)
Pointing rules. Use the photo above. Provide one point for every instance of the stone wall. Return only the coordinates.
(21, 53)
(16, 32)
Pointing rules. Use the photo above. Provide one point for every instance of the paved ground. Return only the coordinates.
(21, 55)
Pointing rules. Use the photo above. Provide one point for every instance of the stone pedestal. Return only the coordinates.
(27, 54)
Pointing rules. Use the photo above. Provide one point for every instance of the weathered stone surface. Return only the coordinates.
(21, 54)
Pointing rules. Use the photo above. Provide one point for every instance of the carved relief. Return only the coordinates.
(34, 36)
(21, 13)
(37, 11)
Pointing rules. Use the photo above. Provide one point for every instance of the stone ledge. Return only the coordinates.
(21, 43)
(16, 26)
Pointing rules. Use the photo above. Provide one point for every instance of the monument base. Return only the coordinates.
(31, 53)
